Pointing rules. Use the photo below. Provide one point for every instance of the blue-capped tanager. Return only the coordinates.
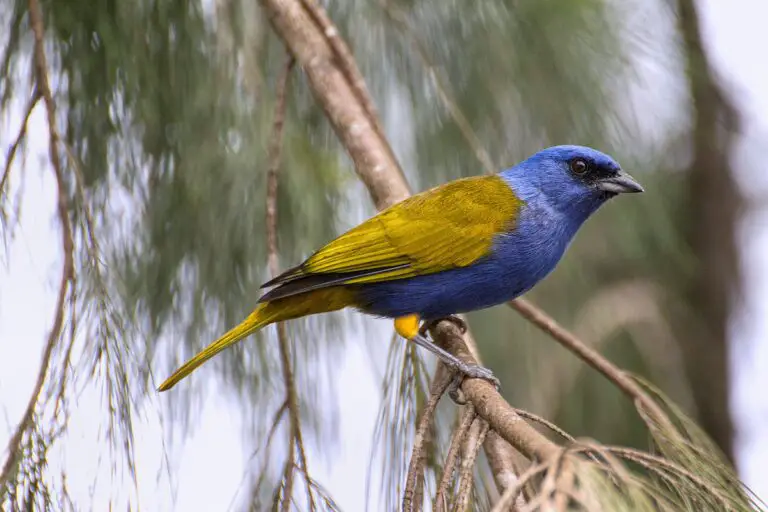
(466, 245)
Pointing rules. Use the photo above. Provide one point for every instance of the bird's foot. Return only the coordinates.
(408, 327)
(472, 371)
(454, 389)
(455, 320)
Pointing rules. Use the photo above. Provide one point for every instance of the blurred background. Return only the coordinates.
(166, 109)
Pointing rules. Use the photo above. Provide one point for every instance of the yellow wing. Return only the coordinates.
(449, 226)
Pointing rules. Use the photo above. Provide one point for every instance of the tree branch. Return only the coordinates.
(68, 266)
(593, 358)
(328, 76)
(11, 155)
(443, 91)
(412, 498)
(296, 441)
(452, 457)
(501, 458)
(471, 447)
(511, 495)
(490, 405)
(348, 66)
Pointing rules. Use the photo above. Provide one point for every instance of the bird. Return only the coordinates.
(466, 245)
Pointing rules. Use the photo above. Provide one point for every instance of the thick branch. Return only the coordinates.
(491, 406)
(309, 42)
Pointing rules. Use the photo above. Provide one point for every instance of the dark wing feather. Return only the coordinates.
(306, 283)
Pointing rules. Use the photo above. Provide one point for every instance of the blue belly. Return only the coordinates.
(444, 293)
(517, 262)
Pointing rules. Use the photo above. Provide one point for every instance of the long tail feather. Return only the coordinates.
(253, 323)
(313, 302)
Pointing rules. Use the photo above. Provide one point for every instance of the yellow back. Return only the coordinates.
(449, 226)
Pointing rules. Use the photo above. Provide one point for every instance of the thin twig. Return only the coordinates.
(60, 401)
(551, 426)
(351, 71)
(411, 498)
(474, 442)
(564, 486)
(441, 372)
(275, 149)
(346, 60)
(443, 91)
(106, 351)
(550, 487)
(593, 358)
(646, 458)
(68, 266)
(304, 467)
(296, 441)
(441, 497)
(339, 97)
(90, 224)
(502, 459)
(263, 469)
(11, 155)
(14, 445)
(507, 500)
(287, 479)
(266, 446)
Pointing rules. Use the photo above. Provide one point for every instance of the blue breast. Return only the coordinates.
(519, 260)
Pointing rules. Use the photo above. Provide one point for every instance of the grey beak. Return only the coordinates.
(621, 183)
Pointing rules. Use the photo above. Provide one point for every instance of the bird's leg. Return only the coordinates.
(408, 328)
(455, 320)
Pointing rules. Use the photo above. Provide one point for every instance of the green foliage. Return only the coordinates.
(161, 124)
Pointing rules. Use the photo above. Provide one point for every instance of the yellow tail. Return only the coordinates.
(250, 325)
(319, 301)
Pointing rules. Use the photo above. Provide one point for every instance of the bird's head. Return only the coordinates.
(576, 180)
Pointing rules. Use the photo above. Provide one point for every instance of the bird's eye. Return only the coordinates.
(579, 166)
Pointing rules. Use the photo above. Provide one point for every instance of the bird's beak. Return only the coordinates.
(620, 183)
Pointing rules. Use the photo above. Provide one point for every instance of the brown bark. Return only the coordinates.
(339, 97)
(711, 218)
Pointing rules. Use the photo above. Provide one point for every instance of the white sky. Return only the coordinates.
(209, 468)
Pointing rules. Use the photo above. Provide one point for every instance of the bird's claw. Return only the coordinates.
(455, 320)
(473, 372)
(454, 390)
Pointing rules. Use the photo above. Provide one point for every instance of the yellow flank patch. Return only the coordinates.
(407, 326)
(449, 226)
